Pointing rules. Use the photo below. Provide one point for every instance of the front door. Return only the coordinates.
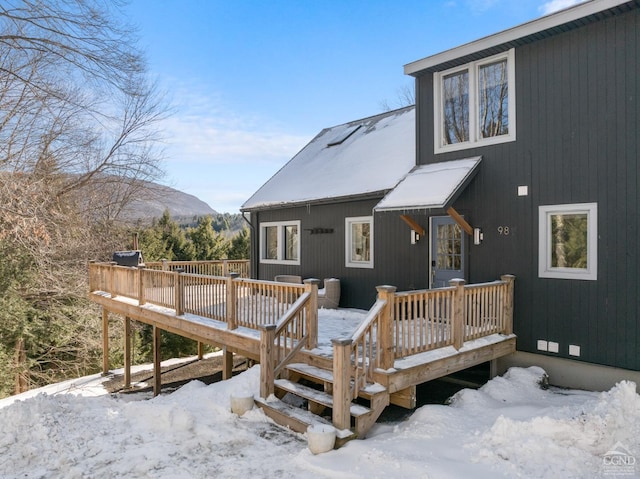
(447, 251)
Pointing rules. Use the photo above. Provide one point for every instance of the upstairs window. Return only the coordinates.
(359, 242)
(455, 104)
(280, 242)
(474, 104)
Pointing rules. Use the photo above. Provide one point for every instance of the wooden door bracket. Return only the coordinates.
(413, 225)
(460, 220)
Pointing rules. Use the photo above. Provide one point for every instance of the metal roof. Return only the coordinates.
(362, 158)
(433, 187)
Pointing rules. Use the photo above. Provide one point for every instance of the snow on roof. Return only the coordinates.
(430, 186)
(357, 158)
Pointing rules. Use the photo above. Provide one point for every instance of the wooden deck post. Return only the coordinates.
(165, 264)
(493, 368)
(179, 293)
(112, 279)
(105, 341)
(227, 363)
(342, 382)
(157, 358)
(92, 276)
(232, 301)
(457, 321)
(225, 267)
(141, 285)
(311, 286)
(267, 375)
(200, 350)
(385, 331)
(508, 303)
(232, 323)
(127, 352)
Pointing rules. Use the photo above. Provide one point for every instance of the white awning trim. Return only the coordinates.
(433, 186)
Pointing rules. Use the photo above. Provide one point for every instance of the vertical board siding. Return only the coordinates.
(577, 141)
(396, 261)
(323, 255)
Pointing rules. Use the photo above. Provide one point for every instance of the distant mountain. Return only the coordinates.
(158, 198)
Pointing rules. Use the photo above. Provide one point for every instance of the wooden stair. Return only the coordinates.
(317, 395)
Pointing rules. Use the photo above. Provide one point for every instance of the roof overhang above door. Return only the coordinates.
(432, 187)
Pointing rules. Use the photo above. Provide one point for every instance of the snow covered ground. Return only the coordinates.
(508, 428)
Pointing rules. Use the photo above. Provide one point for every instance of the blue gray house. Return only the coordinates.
(520, 157)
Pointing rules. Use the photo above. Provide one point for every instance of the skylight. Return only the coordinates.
(343, 135)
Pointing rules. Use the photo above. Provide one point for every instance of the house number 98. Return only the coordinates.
(503, 230)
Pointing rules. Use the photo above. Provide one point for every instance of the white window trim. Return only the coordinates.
(281, 244)
(545, 270)
(474, 133)
(349, 263)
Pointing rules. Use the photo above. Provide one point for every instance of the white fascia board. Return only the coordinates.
(534, 26)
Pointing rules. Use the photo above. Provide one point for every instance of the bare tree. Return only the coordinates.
(456, 107)
(78, 139)
(493, 90)
(75, 105)
(405, 96)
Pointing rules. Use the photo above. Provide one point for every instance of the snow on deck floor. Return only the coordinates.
(336, 324)
(332, 323)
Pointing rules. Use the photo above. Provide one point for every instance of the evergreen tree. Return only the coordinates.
(240, 243)
(207, 244)
(151, 243)
(165, 240)
(174, 239)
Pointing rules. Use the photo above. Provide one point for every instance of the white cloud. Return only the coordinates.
(204, 128)
(223, 163)
(220, 155)
(555, 5)
(221, 140)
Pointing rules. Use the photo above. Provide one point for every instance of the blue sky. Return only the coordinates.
(252, 82)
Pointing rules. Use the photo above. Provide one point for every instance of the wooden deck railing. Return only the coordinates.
(286, 314)
(431, 319)
(371, 344)
(279, 342)
(210, 268)
(488, 308)
(118, 281)
(238, 301)
(157, 287)
(399, 324)
(405, 323)
(264, 302)
(422, 320)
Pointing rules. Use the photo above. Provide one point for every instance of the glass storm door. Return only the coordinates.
(447, 251)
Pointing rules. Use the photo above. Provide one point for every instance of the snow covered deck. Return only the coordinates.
(405, 339)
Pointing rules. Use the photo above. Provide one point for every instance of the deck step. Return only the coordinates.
(325, 376)
(317, 397)
(295, 418)
(312, 373)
